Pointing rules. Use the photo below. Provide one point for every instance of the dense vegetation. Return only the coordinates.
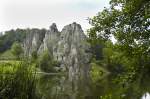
(17, 80)
(46, 62)
(10, 37)
(128, 21)
(17, 50)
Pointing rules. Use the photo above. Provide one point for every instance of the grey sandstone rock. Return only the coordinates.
(33, 41)
(69, 47)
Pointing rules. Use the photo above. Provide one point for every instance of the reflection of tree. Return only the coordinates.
(47, 86)
(106, 87)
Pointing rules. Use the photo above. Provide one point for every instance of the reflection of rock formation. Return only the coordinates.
(69, 47)
(59, 87)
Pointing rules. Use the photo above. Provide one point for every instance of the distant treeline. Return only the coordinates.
(12, 36)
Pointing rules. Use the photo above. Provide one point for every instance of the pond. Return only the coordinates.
(61, 87)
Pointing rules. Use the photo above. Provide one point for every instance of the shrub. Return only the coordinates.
(46, 62)
(16, 49)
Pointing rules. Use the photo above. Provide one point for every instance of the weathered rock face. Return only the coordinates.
(50, 40)
(33, 41)
(69, 47)
(1, 34)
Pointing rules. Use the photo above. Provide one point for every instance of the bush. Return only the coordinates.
(16, 49)
(46, 62)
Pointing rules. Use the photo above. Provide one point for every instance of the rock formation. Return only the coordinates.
(69, 47)
(1, 34)
(34, 39)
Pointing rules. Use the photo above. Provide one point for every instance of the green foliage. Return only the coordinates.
(8, 66)
(10, 37)
(108, 53)
(127, 21)
(18, 83)
(16, 49)
(97, 72)
(129, 25)
(106, 97)
(46, 62)
(34, 56)
(7, 55)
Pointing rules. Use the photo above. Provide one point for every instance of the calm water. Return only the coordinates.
(60, 87)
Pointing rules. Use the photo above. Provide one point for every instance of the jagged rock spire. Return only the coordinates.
(53, 28)
(67, 47)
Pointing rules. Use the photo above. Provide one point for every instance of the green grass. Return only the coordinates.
(9, 66)
(17, 80)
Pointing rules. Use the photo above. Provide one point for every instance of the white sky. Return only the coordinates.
(41, 13)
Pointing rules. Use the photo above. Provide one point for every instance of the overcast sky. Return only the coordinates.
(42, 13)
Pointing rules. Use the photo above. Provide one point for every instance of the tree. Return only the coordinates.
(129, 22)
(9, 37)
(46, 62)
(16, 49)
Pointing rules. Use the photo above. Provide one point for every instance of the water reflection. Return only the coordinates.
(60, 87)
(146, 96)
